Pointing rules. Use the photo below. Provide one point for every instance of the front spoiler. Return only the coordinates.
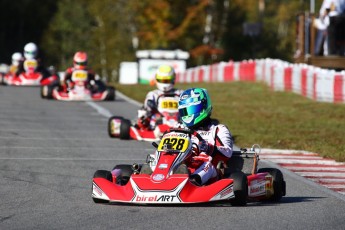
(177, 189)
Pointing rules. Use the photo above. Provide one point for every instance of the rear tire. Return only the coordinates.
(110, 133)
(279, 185)
(111, 94)
(125, 129)
(106, 175)
(44, 91)
(240, 189)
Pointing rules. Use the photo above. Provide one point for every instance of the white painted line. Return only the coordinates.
(285, 151)
(328, 180)
(321, 174)
(130, 100)
(307, 162)
(335, 186)
(313, 169)
(101, 110)
(291, 157)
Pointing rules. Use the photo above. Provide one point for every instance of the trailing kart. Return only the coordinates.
(82, 90)
(164, 178)
(30, 77)
(166, 116)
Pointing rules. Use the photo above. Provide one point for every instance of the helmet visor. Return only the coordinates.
(164, 80)
(191, 109)
(80, 63)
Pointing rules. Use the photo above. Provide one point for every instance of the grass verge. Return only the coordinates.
(280, 120)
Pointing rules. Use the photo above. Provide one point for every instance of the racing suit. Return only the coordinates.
(68, 78)
(147, 114)
(218, 146)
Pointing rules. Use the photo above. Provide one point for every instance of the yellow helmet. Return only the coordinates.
(165, 78)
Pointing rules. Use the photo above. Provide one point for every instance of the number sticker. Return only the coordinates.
(79, 76)
(176, 143)
(30, 64)
(169, 104)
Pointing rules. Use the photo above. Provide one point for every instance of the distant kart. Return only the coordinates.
(81, 91)
(164, 178)
(165, 117)
(30, 77)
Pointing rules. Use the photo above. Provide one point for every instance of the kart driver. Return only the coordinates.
(165, 81)
(80, 60)
(17, 59)
(30, 53)
(195, 110)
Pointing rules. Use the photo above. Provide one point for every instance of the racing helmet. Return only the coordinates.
(194, 106)
(16, 58)
(80, 60)
(165, 78)
(30, 50)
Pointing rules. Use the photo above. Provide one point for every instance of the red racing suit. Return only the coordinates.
(68, 75)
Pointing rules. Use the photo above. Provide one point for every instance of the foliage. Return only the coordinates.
(111, 31)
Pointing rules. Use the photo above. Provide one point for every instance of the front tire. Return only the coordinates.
(240, 189)
(126, 172)
(125, 129)
(111, 126)
(106, 175)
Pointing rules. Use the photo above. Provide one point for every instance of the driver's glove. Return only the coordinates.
(206, 147)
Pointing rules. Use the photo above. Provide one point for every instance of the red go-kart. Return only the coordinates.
(81, 90)
(30, 77)
(164, 178)
(165, 117)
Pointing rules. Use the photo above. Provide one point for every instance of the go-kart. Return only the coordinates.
(164, 117)
(81, 90)
(165, 178)
(30, 77)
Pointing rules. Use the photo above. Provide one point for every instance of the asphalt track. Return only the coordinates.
(49, 151)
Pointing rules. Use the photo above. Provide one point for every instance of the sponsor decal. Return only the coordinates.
(158, 177)
(97, 190)
(225, 192)
(204, 133)
(163, 166)
(155, 198)
(257, 189)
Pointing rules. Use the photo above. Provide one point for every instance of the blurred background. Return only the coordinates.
(111, 31)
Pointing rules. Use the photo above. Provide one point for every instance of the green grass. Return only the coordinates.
(280, 120)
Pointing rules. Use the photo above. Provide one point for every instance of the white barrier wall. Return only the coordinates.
(308, 81)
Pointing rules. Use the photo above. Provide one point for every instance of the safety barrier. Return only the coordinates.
(309, 81)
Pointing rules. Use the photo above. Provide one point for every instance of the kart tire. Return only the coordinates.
(106, 175)
(49, 91)
(111, 94)
(126, 172)
(279, 185)
(111, 135)
(125, 129)
(43, 91)
(240, 189)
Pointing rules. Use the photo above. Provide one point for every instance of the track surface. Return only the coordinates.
(49, 151)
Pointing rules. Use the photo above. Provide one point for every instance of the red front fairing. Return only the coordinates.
(147, 134)
(176, 189)
(29, 79)
(62, 95)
